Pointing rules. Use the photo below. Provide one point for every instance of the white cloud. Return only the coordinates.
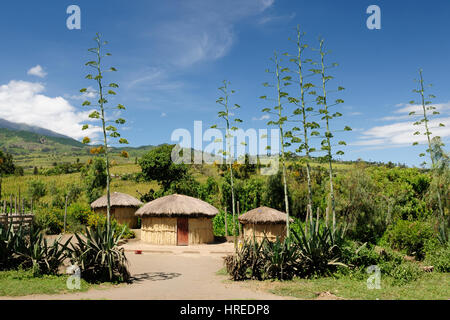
(204, 30)
(89, 94)
(401, 133)
(263, 117)
(163, 114)
(23, 102)
(37, 71)
(272, 18)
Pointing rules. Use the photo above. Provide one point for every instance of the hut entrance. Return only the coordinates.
(182, 232)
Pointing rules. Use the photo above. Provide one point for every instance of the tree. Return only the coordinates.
(99, 112)
(281, 119)
(301, 136)
(95, 178)
(226, 114)
(425, 103)
(36, 189)
(157, 165)
(327, 116)
(6, 163)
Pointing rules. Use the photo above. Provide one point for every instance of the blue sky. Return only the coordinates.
(171, 57)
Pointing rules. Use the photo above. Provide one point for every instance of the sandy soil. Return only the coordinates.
(171, 272)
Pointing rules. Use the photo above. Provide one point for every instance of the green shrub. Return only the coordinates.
(439, 257)
(51, 221)
(95, 220)
(409, 236)
(402, 273)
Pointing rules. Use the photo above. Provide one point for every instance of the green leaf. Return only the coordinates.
(214, 126)
(342, 143)
(112, 69)
(347, 128)
(86, 140)
(111, 128)
(111, 92)
(113, 85)
(85, 126)
(415, 143)
(441, 125)
(83, 90)
(123, 141)
(94, 115)
(120, 121)
(120, 107)
(86, 103)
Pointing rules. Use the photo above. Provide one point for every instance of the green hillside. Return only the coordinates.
(32, 149)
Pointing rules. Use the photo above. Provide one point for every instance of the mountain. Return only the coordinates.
(15, 126)
(34, 146)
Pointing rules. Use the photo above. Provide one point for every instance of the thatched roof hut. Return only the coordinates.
(117, 199)
(177, 220)
(264, 221)
(123, 208)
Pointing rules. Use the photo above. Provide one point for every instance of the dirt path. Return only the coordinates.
(180, 273)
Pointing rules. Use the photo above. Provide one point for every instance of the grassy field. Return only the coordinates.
(12, 184)
(21, 283)
(431, 286)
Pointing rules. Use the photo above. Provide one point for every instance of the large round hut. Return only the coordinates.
(264, 221)
(123, 208)
(177, 220)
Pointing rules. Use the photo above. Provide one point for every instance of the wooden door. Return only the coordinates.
(182, 232)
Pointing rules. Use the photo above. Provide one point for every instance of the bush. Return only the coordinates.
(51, 221)
(36, 189)
(95, 220)
(439, 257)
(409, 236)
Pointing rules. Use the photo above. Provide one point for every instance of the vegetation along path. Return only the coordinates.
(170, 275)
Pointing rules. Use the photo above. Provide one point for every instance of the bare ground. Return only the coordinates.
(171, 272)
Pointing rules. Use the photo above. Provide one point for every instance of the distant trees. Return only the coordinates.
(157, 165)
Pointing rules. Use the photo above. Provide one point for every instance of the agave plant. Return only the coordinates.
(247, 263)
(281, 259)
(39, 255)
(320, 248)
(8, 247)
(99, 256)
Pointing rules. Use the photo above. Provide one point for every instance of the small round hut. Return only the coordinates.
(123, 208)
(177, 220)
(264, 221)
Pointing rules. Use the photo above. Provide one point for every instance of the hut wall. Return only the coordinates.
(271, 231)
(200, 230)
(159, 230)
(123, 215)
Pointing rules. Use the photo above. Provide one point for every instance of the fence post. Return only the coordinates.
(317, 219)
(239, 225)
(65, 214)
(226, 224)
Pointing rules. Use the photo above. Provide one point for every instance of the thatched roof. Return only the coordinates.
(177, 205)
(117, 199)
(263, 215)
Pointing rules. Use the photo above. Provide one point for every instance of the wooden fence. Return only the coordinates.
(16, 220)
